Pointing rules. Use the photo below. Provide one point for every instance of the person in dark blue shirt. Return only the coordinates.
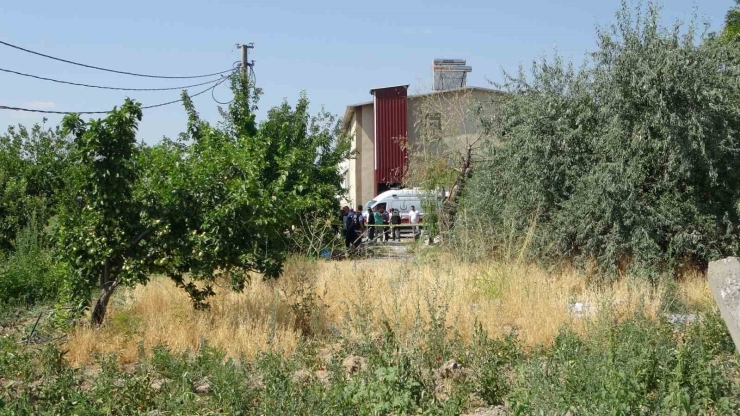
(343, 220)
(370, 221)
(349, 228)
(359, 226)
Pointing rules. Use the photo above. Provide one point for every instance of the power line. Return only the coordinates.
(216, 100)
(10, 71)
(110, 70)
(237, 66)
(31, 110)
(194, 95)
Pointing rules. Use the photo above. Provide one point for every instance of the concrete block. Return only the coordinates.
(724, 281)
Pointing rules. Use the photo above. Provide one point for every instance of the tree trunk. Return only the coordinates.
(101, 306)
(107, 287)
(449, 206)
(109, 283)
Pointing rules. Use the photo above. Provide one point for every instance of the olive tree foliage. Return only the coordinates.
(630, 162)
(731, 29)
(217, 201)
(452, 129)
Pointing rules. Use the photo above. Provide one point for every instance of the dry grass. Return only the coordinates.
(354, 298)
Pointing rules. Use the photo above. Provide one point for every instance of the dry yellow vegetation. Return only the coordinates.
(355, 298)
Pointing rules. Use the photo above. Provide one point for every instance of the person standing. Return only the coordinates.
(350, 229)
(359, 226)
(396, 222)
(343, 219)
(378, 220)
(386, 221)
(370, 222)
(414, 219)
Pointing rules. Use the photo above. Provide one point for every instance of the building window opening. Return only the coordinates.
(434, 123)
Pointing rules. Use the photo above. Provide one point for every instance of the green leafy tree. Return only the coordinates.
(14, 207)
(732, 24)
(101, 227)
(232, 193)
(32, 166)
(632, 159)
(217, 201)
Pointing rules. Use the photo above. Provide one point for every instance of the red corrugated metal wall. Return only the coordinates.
(390, 135)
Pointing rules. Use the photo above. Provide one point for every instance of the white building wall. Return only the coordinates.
(366, 191)
(348, 168)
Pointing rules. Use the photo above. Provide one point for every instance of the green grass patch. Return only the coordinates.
(634, 367)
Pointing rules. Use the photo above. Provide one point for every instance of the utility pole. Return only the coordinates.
(245, 59)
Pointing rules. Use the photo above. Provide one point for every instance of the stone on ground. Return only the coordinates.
(354, 363)
(489, 411)
(724, 281)
(303, 376)
(202, 387)
(445, 377)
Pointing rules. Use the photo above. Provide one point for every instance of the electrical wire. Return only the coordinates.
(237, 66)
(194, 95)
(216, 100)
(110, 70)
(10, 71)
(30, 110)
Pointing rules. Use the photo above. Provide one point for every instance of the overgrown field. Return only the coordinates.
(321, 300)
(430, 336)
(175, 278)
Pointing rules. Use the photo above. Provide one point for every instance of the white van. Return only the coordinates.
(400, 199)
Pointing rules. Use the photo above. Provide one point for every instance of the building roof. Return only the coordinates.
(372, 91)
(351, 108)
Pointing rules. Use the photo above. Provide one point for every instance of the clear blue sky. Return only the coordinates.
(334, 50)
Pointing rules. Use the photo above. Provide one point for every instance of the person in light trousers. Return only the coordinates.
(414, 219)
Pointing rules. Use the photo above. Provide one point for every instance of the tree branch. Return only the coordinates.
(140, 237)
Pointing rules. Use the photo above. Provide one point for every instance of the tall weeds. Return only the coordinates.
(423, 304)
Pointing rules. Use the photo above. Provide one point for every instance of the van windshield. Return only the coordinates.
(370, 204)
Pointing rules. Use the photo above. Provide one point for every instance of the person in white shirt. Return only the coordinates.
(414, 219)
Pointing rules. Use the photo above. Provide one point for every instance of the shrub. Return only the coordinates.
(636, 367)
(30, 274)
(631, 160)
(493, 361)
(16, 208)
